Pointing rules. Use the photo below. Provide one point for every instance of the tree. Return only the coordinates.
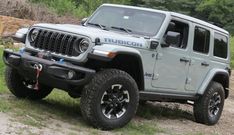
(182, 6)
(87, 7)
(219, 11)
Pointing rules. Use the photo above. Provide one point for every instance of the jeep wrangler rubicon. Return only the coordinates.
(122, 55)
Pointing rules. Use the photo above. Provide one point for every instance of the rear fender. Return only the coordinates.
(211, 76)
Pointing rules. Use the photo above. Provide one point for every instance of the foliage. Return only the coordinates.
(62, 7)
(2, 67)
(218, 11)
(86, 7)
(79, 8)
(6, 42)
(183, 6)
(232, 52)
(221, 12)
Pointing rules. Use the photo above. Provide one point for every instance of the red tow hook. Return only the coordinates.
(38, 68)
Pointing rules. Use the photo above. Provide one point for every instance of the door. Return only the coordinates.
(172, 62)
(200, 59)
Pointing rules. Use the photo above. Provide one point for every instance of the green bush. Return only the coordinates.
(86, 7)
(61, 7)
(232, 51)
(78, 8)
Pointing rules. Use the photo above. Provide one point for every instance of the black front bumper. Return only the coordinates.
(53, 73)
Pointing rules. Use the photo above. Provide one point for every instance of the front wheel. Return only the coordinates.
(23, 89)
(110, 100)
(209, 107)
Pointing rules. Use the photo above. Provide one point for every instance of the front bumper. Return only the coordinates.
(53, 74)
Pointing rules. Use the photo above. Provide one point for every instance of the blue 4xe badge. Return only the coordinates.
(122, 42)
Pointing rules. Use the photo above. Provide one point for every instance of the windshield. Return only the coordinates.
(133, 21)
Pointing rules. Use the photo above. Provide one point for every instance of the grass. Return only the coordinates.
(141, 127)
(61, 107)
(151, 111)
(232, 51)
(2, 67)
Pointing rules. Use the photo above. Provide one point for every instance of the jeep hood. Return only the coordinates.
(106, 37)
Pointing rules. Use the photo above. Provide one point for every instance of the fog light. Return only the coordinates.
(71, 74)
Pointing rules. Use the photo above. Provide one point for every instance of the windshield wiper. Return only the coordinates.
(98, 25)
(122, 29)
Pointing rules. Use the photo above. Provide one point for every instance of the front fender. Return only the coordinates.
(118, 55)
(108, 52)
(210, 77)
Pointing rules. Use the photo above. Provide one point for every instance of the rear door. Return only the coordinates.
(200, 58)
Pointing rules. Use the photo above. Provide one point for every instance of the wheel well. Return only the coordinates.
(129, 63)
(223, 79)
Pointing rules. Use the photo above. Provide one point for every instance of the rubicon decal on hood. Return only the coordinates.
(122, 42)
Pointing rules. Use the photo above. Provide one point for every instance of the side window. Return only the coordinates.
(220, 45)
(201, 40)
(182, 29)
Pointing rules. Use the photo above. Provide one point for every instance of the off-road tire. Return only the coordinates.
(16, 86)
(93, 93)
(201, 106)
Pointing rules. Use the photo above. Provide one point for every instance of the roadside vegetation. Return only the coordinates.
(218, 12)
(232, 51)
(78, 8)
(2, 82)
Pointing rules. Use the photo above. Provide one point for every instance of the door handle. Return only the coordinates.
(184, 60)
(205, 64)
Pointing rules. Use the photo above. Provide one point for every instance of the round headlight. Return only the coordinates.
(84, 45)
(33, 35)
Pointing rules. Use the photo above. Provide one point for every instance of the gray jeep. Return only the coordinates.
(123, 55)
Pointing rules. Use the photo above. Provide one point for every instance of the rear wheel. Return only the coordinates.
(24, 89)
(209, 107)
(110, 100)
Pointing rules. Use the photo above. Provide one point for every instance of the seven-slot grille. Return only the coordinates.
(55, 42)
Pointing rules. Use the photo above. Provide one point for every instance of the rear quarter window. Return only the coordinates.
(220, 45)
(201, 40)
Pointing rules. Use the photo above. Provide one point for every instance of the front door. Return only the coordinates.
(172, 62)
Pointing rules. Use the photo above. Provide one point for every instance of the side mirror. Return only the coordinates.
(172, 38)
(153, 44)
(83, 21)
